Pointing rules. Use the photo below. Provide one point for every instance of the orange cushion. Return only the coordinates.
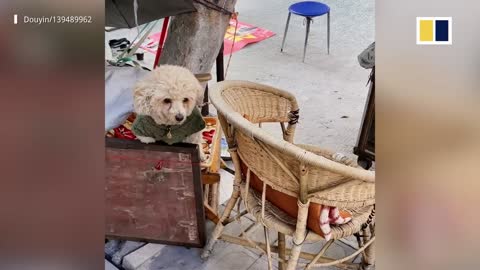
(288, 203)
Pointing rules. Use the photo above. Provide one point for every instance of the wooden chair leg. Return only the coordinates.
(281, 251)
(210, 214)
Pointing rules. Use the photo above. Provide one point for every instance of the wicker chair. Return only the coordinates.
(311, 174)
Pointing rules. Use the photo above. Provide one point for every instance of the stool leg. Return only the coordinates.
(286, 29)
(328, 32)
(309, 20)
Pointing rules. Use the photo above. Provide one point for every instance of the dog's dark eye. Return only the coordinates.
(185, 100)
(167, 101)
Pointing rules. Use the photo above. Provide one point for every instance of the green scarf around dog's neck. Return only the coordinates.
(145, 126)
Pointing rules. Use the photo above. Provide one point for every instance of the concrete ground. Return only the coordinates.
(225, 256)
(331, 91)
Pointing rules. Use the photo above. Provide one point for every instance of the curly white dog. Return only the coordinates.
(166, 103)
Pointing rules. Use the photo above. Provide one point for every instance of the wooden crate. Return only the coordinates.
(210, 169)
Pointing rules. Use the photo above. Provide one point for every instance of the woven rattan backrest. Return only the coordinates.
(284, 166)
(282, 169)
(269, 164)
(260, 103)
(257, 104)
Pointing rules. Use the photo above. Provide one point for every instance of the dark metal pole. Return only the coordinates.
(309, 20)
(328, 32)
(161, 42)
(219, 64)
(220, 77)
(205, 110)
(286, 30)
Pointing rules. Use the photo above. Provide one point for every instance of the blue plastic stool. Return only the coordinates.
(309, 10)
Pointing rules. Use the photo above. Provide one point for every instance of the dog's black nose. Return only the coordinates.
(179, 117)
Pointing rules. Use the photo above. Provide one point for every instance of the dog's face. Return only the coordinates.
(168, 95)
(172, 107)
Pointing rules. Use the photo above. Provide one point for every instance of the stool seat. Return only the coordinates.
(309, 9)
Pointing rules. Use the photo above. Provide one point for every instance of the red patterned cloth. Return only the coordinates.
(124, 131)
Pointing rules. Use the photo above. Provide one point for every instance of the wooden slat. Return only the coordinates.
(203, 77)
(210, 178)
(210, 214)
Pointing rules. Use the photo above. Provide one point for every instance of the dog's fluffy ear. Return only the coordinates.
(142, 97)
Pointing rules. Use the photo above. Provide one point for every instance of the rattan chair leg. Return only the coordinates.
(269, 253)
(347, 258)
(320, 254)
(219, 227)
(275, 249)
(228, 208)
(249, 231)
(295, 253)
(299, 235)
(368, 259)
(281, 251)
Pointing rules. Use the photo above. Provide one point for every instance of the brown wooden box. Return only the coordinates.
(154, 193)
